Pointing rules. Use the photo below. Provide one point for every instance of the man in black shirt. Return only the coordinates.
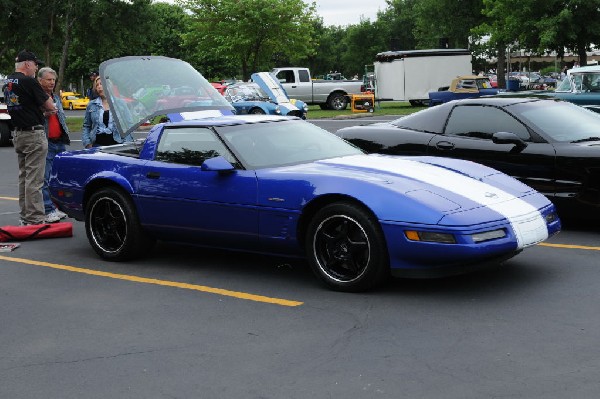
(26, 102)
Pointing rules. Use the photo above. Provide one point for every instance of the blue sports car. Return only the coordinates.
(283, 186)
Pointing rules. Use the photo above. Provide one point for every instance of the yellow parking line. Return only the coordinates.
(569, 246)
(9, 198)
(202, 288)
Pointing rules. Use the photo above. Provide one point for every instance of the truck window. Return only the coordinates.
(303, 75)
(287, 76)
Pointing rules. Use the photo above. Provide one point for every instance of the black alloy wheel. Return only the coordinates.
(346, 248)
(113, 228)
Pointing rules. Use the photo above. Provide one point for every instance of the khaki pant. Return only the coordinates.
(31, 148)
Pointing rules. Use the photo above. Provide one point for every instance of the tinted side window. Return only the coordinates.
(303, 75)
(482, 122)
(190, 146)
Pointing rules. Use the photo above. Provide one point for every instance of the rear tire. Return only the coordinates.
(346, 248)
(113, 228)
(337, 101)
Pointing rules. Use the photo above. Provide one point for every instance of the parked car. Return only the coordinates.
(551, 145)
(493, 80)
(285, 186)
(71, 100)
(466, 86)
(5, 126)
(250, 98)
(581, 86)
(329, 94)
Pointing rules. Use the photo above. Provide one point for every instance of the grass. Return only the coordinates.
(314, 112)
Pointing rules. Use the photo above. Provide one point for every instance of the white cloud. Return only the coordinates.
(345, 12)
(342, 12)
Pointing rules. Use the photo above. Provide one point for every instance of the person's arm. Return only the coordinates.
(86, 139)
(49, 106)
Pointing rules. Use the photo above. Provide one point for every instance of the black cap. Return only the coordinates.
(25, 55)
(94, 74)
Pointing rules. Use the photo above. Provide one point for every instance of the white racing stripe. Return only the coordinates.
(527, 222)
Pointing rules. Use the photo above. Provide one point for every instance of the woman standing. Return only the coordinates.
(99, 127)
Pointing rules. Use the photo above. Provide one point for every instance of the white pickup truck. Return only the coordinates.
(329, 94)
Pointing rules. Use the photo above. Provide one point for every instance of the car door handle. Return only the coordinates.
(444, 145)
(294, 86)
(153, 175)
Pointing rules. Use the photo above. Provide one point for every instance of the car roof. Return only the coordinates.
(500, 101)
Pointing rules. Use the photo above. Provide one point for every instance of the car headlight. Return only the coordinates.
(429, 236)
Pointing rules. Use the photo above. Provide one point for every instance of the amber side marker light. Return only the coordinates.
(428, 236)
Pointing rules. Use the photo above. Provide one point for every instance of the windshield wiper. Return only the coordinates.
(587, 139)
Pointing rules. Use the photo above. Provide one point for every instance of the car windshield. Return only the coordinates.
(265, 145)
(139, 88)
(245, 92)
(565, 85)
(561, 121)
(587, 82)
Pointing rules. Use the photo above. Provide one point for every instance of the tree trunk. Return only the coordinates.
(501, 67)
(65, 49)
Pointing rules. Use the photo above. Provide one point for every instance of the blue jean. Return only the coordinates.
(53, 149)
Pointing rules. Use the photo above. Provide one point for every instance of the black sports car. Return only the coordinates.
(551, 145)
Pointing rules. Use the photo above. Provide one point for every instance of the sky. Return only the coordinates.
(344, 12)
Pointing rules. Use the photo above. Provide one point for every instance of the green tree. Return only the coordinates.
(248, 33)
(362, 43)
(398, 22)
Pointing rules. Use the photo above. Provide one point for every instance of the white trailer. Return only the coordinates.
(411, 75)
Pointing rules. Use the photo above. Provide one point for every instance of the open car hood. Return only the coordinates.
(273, 88)
(138, 88)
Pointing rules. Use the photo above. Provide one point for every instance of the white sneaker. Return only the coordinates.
(52, 217)
(61, 215)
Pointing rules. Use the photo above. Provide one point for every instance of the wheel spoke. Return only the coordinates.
(108, 225)
(342, 248)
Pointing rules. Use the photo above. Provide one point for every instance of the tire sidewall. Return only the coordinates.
(134, 237)
(378, 266)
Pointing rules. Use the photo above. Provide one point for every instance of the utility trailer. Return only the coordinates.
(411, 75)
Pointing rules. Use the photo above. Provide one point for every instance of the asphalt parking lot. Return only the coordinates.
(196, 323)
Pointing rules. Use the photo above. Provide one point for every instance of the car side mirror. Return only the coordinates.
(217, 164)
(509, 138)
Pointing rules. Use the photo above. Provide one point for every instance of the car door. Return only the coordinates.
(468, 134)
(179, 201)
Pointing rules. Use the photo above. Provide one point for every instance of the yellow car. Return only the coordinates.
(71, 100)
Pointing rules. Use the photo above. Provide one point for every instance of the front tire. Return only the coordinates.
(113, 228)
(71, 106)
(256, 111)
(346, 248)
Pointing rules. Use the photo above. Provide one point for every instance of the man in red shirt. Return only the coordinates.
(57, 132)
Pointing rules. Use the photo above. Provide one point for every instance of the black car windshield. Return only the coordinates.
(560, 121)
(272, 144)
